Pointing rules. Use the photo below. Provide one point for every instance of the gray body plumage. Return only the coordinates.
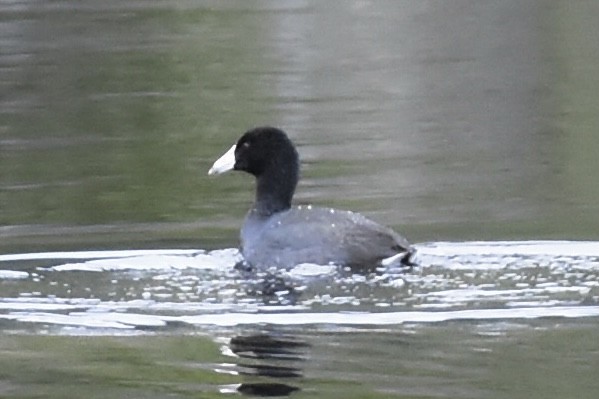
(322, 236)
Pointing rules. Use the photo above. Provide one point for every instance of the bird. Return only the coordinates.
(277, 234)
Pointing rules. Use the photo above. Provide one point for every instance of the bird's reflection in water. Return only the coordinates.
(268, 361)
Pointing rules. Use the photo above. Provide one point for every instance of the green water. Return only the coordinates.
(461, 360)
(446, 121)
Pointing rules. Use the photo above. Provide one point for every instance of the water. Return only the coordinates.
(452, 123)
(474, 319)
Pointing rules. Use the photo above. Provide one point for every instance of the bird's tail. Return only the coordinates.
(405, 258)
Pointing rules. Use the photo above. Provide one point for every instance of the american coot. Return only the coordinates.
(275, 234)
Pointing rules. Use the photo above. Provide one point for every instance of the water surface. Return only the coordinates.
(470, 127)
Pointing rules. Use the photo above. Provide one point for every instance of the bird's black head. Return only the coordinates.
(269, 155)
(265, 150)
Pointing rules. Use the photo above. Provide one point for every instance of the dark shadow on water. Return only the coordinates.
(267, 346)
(268, 361)
(267, 389)
(271, 287)
(279, 288)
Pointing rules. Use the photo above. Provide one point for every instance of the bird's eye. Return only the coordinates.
(245, 144)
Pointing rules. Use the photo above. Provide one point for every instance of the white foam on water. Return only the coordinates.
(389, 318)
(475, 294)
(21, 306)
(97, 254)
(12, 275)
(506, 248)
(117, 320)
(520, 280)
(312, 270)
(156, 261)
(485, 255)
(66, 320)
(144, 262)
(91, 306)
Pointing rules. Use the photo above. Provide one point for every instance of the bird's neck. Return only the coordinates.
(274, 191)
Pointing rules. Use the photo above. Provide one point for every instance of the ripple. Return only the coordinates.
(13, 274)
(157, 261)
(116, 320)
(157, 289)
